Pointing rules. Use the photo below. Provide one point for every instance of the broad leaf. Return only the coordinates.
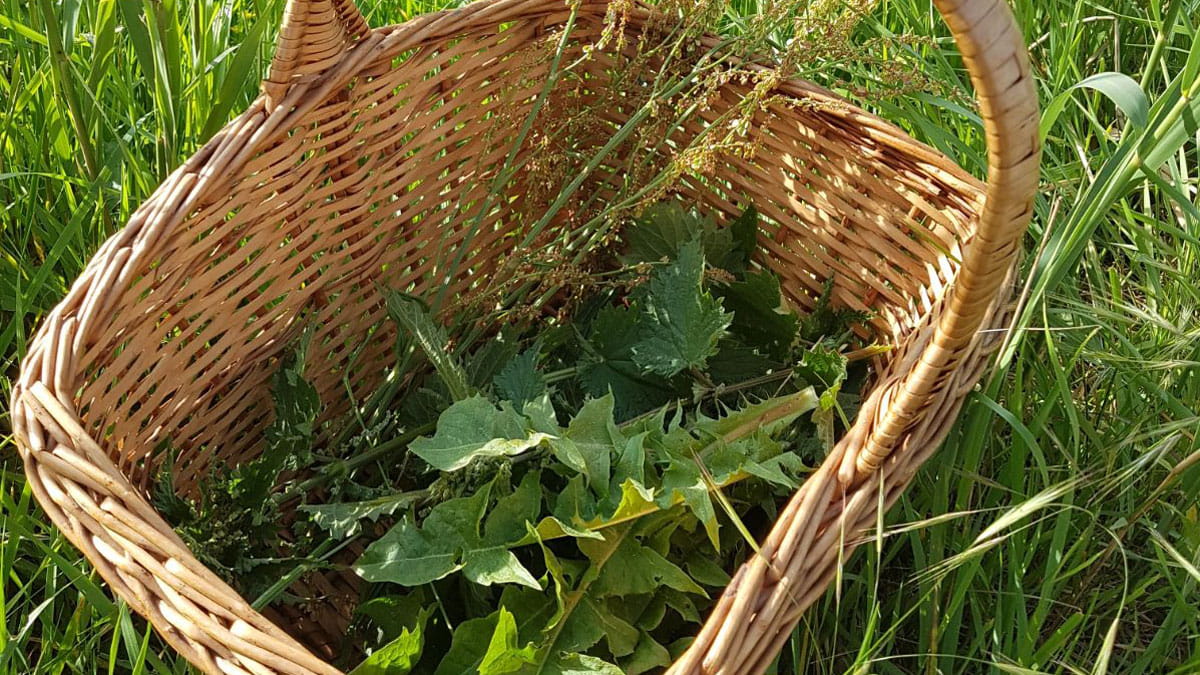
(609, 366)
(474, 428)
(503, 656)
(760, 317)
(448, 541)
(399, 656)
(681, 321)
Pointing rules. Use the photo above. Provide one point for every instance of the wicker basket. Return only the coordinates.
(173, 329)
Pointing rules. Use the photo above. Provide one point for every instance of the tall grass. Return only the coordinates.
(1058, 531)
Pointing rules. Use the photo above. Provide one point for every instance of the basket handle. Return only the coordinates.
(313, 35)
(994, 50)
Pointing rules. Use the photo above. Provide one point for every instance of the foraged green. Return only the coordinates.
(1095, 395)
(562, 511)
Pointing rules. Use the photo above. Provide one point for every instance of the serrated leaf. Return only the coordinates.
(661, 231)
(290, 435)
(474, 428)
(519, 381)
(413, 316)
(344, 519)
(822, 365)
(609, 367)
(681, 322)
(744, 235)
(761, 319)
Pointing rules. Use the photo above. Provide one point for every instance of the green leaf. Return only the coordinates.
(581, 664)
(343, 520)
(289, 437)
(474, 428)
(744, 233)
(503, 656)
(828, 320)
(400, 655)
(392, 614)
(683, 478)
(619, 635)
(681, 322)
(609, 367)
(661, 232)
(448, 541)
(761, 319)
(823, 365)
(591, 440)
(647, 656)
(509, 519)
(409, 556)
(633, 569)
(520, 381)
(468, 646)
(413, 316)
(1121, 89)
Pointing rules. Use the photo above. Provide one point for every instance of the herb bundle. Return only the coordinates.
(561, 498)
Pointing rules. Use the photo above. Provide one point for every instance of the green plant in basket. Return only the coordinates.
(564, 497)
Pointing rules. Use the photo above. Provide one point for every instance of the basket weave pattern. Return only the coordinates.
(339, 181)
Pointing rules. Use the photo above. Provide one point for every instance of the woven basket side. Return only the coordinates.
(919, 393)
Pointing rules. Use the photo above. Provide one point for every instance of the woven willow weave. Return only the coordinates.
(333, 186)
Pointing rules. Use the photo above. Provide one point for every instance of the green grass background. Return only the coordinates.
(1058, 530)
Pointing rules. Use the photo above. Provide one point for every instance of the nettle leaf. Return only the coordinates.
(474, 428)
(661, 231)
(609, 367)
(827, 320)
(399, 656)
(681, 321)
(744, 235)
(448, 541)
(343, 520)
(520, 381)
(289, 437)
(825, 366)
(665, 228)
(761, 319)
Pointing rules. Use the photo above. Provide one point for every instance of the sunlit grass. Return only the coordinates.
(1058, 531)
